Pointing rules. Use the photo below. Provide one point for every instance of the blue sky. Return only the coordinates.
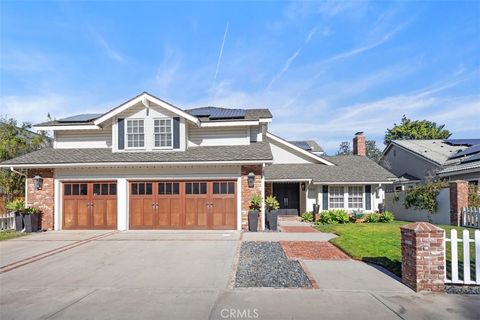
(325, 69)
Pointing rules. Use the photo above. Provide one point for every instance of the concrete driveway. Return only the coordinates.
(186, 275)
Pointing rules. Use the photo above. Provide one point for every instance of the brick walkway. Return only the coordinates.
(312, 250)
(301, 229)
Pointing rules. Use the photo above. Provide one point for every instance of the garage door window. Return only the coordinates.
(141, 188)
(196, 188)
(223, 188)
(169, 188)
(105, 189)
(75, 189)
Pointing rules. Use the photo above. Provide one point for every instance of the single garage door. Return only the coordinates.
(90, 205)
(183, 205)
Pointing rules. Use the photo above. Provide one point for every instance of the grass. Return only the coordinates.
(379, 243)
(10, 234)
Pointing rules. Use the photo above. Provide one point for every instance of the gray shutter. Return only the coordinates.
(176, 133)
(325, 197)
(368, 197)
(121, 134)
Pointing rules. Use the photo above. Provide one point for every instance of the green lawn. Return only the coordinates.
(10, 234)
(380, 242)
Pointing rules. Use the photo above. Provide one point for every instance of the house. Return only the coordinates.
(414, 161)
(148, 164)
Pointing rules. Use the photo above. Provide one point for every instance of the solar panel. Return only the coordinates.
(81, 117)
(201, 112)
(475, 157)
(466, 152)
(227, 114)
(462, 142)
(302, 144)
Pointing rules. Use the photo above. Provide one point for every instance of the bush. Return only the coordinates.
(271, 203)
(256, 202)
(387, 216)
(334, 217)
(17, 205)
(307, 217)
(372, 218)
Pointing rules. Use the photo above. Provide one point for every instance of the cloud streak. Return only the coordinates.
(220, 54)
(112, 53)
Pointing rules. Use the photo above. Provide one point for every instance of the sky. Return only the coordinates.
(325, 69)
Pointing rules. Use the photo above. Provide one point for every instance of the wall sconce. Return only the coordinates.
(38, 182)
(303, 186)
(251, 179)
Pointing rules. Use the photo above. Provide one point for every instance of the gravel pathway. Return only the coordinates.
(264, 264)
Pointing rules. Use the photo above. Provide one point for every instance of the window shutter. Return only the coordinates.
(368, 197)
(121, 134)
(325, 197)
(176, 133)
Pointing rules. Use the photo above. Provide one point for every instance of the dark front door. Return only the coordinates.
(288, 195)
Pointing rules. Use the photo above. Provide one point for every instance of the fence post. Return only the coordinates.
(423, 251)
(458, 200)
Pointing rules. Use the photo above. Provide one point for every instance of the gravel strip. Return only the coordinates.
(264, 264)
(453, 289)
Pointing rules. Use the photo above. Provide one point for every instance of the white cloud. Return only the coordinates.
(109, 50)
(168, 69)
(284, 69)
(220, 54)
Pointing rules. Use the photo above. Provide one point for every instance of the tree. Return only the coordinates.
(416, 129)
(373, 152)
(17, 140)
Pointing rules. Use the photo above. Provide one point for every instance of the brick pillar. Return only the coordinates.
(42, 199)
(423, 257)
(268, 189)
(359, 145)
(248, 192)
(458, 200)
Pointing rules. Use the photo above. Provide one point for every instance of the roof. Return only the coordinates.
(348, 168)
(308, 145)
(225, 114)
(259, 151)
(434, 150)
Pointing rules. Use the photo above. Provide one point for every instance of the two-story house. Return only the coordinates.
(148, 164)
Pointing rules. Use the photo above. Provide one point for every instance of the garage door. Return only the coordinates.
(90, 205)
(183, 205)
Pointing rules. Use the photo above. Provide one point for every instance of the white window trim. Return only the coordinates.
(126, 135)
(345, 197)
(153, 133)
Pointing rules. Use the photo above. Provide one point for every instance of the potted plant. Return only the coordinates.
(30, 219)
(255, 205)
(17, 206)
(272, 208)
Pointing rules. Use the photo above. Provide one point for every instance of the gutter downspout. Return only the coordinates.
(263, 197)
(26, 184)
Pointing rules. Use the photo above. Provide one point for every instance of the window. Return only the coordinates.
(163, 133)
(223, 188)
(336, 197)
(75, 189)
(196, 188)
(135, 134)
(104, 189)
(355, 197)
(168, 188)
(140, 188)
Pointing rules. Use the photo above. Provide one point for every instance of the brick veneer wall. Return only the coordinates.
(422, 257)
(248, 192)
(458, 200)
(359, 146)
(42, 199)
(268, 189)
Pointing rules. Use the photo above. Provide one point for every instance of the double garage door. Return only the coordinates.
(152, 205)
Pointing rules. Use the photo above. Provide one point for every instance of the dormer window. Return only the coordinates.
(163, 133)
(135, 133)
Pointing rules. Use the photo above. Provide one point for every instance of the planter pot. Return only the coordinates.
(253, 220)
(31, 222)
(273, 220)
(18, 221)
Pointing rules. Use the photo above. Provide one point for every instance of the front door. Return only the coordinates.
(288, 195)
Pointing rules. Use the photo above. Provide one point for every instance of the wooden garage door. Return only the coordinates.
(89, 205)
(183, 205)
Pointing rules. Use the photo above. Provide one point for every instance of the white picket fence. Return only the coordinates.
(7, 221)
(471, 217)
(465, 247)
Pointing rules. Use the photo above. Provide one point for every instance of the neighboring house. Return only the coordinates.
(414, 161)
(147, 164)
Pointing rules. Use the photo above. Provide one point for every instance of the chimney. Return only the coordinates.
(359, 148)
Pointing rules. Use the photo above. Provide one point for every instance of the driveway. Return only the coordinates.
(186, 275)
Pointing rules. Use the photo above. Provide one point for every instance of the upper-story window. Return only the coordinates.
(163, 133)
(135, 133)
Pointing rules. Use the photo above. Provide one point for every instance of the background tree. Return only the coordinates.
(373, 152)
(17, 140)
(416, 129)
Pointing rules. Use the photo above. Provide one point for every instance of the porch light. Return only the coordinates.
(38, 182)
(303, 186)
(251, 179)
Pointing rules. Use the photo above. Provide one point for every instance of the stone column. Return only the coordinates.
(423, 267)
(248, 192)
(42, 199)
(458, 200)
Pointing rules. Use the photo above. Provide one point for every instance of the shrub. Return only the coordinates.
(424, 197)
(15, 205)
(307, 217)
(372, 218)
(473, 196)
(271, 203)
(256, 202)
(334, 217)
(387, 216)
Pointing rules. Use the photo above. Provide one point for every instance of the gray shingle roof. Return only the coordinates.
(347, 169)
(434, 150)
(255, 151)
(459, 167)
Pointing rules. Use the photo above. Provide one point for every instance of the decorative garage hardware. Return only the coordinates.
(303, 186)
(251, 179)
(38, 182)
